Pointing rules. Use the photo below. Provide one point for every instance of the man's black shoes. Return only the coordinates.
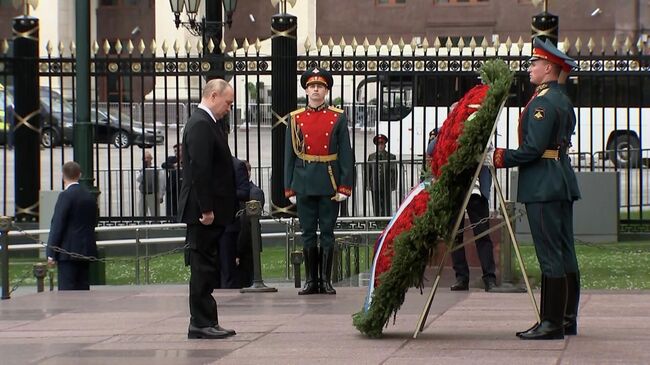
(490, 283)
(460, 285)
(208, 332)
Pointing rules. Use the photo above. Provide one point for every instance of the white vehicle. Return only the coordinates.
(610, 111)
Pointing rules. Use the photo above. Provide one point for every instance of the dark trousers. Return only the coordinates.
(227, 256)
(73, 275)
(381, 201)
(203, 259)
(551, 225)
(477, 208)
(317, 211)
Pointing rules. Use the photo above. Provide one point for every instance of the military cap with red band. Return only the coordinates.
(316, 75)
(547, 51)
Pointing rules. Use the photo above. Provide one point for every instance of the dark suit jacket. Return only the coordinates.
(242, 190)
(208, 176)
(73, 224)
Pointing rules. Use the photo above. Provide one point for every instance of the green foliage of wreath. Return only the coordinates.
(414, 247)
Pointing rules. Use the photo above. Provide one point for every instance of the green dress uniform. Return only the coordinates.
(381, 172)
(319, 163)
(547, 186)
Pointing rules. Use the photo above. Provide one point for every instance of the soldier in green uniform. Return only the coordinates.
(381, 173)
(547, 186)
(318, 173)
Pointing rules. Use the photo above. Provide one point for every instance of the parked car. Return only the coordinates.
(57, 124)
(118, 129)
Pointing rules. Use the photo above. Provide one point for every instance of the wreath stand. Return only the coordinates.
(450, 247)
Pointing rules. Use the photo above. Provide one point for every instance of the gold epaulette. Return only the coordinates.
(335, 109)
(297, 111)
(543, 92)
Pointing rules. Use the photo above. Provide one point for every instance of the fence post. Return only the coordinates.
(284, 56)
(253, 211)
(5, 227)
(27, 108)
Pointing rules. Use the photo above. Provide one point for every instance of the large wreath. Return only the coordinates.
(428, 213)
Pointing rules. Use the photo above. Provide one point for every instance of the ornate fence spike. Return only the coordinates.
(460, 44)
(211, 46)
(414, 45)
(330, 44)
(199, 46)
(566, 45)
(176, 46)
(95, 48)
(307, 44)
(401, 44)
(153, 47)
(141, 46)
(234, 46)
(48, 47)
(4, 46)
(627, 46)
(603, 44)
(61, 48)
(118, 46)
(496, 43)
(246, 45)
(449, 44)
(355, 44)
(222, 46)
(188, 47)
(508, 45)
(107, 47)
(73, 48)
(591, 45)
(425, 44)
(319, 44)
(437, 44)
(484, 44)
(378, 45)
(640, 45)
(342, 45)
(258, 45)
(472, 44)
(578, 45)
(165, 46)
(366, 44)
(520, 43)
(130, 47)
(615, 44)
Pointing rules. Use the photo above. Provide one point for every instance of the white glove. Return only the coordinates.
(339, 197)
(292, 199)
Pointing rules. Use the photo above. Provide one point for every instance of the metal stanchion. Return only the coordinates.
(505, 263)
(253, 211)
(137, 256)
(5, 227)
(40, 271)
(296, 261)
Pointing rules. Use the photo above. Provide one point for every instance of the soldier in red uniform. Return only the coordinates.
(318, 170)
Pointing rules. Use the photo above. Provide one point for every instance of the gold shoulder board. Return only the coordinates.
(297, 111)
(335, 109)
(543, 92)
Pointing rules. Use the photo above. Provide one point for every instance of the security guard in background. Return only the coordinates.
(381, 172)
(548, 187)
(318, 173)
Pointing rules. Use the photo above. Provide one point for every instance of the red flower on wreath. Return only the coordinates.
(453, 127)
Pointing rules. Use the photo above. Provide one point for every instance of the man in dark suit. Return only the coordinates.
(245, 243)
(173, 165)
(73, 231)
(548, 187)
(228, 241)
(207, 203)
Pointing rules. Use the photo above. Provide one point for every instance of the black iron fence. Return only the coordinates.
(143, 95)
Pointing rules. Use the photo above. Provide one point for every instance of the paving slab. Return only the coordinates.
(148, 324)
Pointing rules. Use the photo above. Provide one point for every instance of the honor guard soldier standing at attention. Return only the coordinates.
(318, 170)
(547, 186)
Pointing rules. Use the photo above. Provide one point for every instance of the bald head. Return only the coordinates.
(218, 96)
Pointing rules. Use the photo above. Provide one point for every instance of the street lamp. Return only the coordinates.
(192, 8)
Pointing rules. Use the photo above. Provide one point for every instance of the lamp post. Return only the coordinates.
(210, 26)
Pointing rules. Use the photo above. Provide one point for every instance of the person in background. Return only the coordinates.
(173, 166)
(151, 185)
(245, 241)
(73, 231)
(381, 172)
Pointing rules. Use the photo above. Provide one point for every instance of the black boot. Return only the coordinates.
(311, 271)
(327, 257)
(541, 308)
(552, 326)
(572, 303)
